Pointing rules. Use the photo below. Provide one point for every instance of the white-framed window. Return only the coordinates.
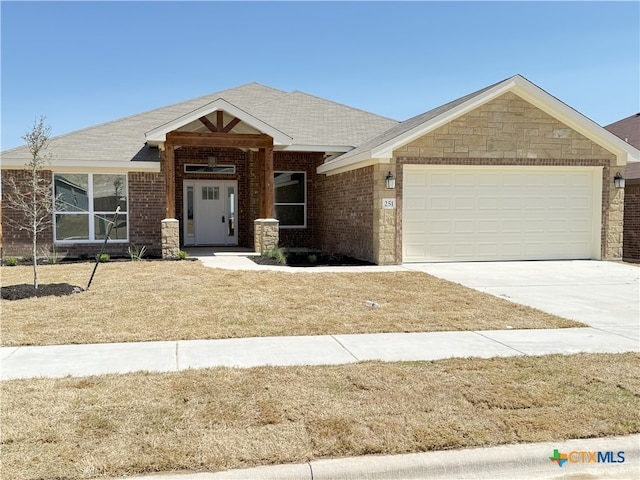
(85, 205)
(290, 199)
(217, 169)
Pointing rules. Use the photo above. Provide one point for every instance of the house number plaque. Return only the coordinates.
(389, 203)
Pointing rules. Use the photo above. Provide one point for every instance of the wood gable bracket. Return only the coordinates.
(219, 126)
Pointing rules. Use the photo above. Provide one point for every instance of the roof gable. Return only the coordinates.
(381, 147)
(159, 134)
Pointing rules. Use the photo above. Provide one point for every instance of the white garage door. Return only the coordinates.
(453, 214)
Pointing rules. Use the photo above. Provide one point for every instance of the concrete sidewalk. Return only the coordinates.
(508, 462)
(117, 358)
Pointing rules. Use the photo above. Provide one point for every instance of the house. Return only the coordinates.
(506, 173)
(628, 129)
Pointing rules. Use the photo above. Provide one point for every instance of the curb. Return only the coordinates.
(521, 461)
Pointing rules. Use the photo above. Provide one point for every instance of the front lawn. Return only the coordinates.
(146, 301)
(218, 419)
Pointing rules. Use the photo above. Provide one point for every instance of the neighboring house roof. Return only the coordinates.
(300, 121)
(380, 149)
(628, 129)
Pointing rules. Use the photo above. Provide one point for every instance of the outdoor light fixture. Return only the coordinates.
(213, 162)
(391, 181)
(618, 180)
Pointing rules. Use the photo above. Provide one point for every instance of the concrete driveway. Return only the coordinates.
(604, 295)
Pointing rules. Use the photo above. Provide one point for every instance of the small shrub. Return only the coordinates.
(313, 258)
(83, 256)
(181, 255)
(136, 253)
(11, 261)
(104, 258)
(27, 258)
(50, 255)
(278, 254)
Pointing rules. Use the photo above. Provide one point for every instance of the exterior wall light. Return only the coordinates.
(391, 181)
(618, 180)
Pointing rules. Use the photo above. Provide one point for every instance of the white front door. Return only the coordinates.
(210, 208)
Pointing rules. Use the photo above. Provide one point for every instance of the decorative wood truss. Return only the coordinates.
(220, 137)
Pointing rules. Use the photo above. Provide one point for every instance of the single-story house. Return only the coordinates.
(628, 129)
(505, 173)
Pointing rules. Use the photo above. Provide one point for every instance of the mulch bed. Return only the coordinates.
(308, 259)
(25, 290)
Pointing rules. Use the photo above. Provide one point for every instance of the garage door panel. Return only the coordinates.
(505, 213)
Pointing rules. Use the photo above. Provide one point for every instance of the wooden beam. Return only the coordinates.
(170, 180)
(268, 182)
(220, 119)
(231, 124)
(207, 123)
(189, 139)
(261, 192)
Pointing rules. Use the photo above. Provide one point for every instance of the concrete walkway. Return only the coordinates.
(117, 358)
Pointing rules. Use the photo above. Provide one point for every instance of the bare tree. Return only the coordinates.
(33, 199)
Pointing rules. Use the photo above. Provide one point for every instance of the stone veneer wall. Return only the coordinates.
(631, 242)
(510, 131)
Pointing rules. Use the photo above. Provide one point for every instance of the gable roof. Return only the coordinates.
(297, 121)
(380, 149)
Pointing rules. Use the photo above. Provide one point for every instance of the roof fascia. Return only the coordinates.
(317, 148)
(337, 166)
(84, 166)
(158, 135)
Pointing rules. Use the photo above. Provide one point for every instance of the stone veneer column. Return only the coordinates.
(266, 234)
(615, 222)
(170, 238)
(384, 220)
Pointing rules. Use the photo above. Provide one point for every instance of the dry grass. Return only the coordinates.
(144, 301)
(209, 420)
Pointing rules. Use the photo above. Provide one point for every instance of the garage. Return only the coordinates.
(494, 213)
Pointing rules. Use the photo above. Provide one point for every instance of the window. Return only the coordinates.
(219, 169)
(85, 206)
(290, 198)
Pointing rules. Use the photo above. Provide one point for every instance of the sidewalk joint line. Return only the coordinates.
(345, 348)
(501, 343)
(14, 352)
(177, 358)
(310, 469)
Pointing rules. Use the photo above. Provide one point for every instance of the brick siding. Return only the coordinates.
(631, 242)
(146, 210)
(344, 215)
(16, 242)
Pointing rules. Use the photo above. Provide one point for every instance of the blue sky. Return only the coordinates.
(85, 63)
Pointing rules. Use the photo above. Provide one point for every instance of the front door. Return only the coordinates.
(210, 208)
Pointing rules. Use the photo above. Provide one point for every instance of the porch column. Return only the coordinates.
(266, 186)
(170, 180)
(170, 226)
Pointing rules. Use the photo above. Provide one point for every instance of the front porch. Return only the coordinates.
(218, 185)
